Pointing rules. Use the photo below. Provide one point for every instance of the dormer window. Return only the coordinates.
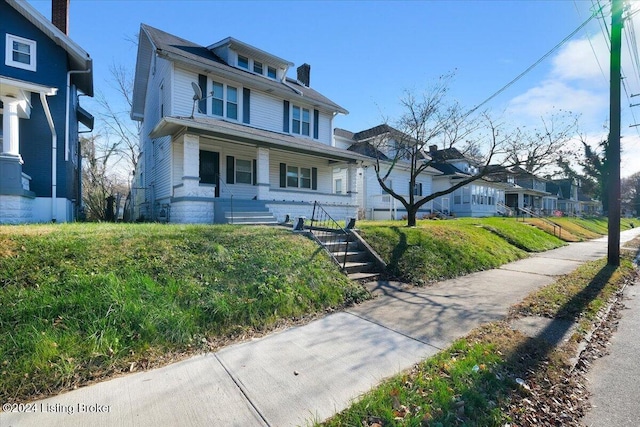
(243, 62)
(271, 72)
(257, 67)
(20, 53)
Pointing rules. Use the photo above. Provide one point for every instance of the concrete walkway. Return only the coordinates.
(614, 380)
(308, 373)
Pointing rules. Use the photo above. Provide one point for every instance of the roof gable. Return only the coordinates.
(79, 59)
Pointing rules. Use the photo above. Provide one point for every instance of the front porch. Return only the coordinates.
(213, 179)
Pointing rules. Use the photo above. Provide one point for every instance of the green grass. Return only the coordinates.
(436, 250)
(472, 383)
(82, 302)
(581, 229)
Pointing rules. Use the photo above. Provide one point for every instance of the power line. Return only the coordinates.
(591, 44)
(535, 64)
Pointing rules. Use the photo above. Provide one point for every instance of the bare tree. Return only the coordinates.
(487, 143)
(98, 184)
(630, 191)
(116, 123)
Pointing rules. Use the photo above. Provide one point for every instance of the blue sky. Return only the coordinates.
(365, 54)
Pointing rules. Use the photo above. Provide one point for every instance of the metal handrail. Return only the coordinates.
(229, 191)
(543, 219)
(506, 208)
(322, 221)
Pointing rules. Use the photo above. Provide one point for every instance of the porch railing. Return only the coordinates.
(226, 187)
(556, 227)
(329, 233)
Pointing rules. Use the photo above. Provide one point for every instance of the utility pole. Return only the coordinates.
(613, 147)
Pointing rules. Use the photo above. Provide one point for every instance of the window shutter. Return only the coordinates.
(231, 170)
(316, 125)
(420, 189)
(255, 171)
(285, 121)
(246, 105)
(283, 175)
(202, 104)
(314, 178)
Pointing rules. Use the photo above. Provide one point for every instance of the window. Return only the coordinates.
(224, 106)
(298, 177)
(232, 102)
(271, 72)
(292, 176)
(338, 186)
(20, 53)
(301, 119)
(243, 62)
(417, 189)
(218, 99)
(257, 67)
(305, 178)
(244, 172)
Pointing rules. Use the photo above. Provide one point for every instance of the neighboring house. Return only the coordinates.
(480, 198)
(571, 199)
(256, 140)
(374, 203)
(42, 73)
(525, 190)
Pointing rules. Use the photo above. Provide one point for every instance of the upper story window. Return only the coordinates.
(20, 53)
(224, 101)
(243, 62)
(257, 67)
(271, 72)
(301, 121)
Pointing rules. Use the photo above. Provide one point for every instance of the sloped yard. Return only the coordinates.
(83, 302)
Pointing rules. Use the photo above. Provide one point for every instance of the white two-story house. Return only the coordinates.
(380, 142)
(224, 128)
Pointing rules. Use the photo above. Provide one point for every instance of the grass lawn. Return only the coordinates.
(475, 382)
(80, 302)
(436, 250)
(580, 229)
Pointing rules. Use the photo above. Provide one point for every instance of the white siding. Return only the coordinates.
(183, 92)
(325, 173)
(266, 111)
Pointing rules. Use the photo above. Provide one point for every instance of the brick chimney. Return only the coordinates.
(304, 74)
(60, 15)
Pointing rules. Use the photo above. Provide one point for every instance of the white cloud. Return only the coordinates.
(554, 95)
(583, 60)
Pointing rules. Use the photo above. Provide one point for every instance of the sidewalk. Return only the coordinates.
(308, 373)
(614, 380)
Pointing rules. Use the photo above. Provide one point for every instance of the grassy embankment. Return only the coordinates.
(473, 382)
(580, 229)
(436, 250)
(83, 302)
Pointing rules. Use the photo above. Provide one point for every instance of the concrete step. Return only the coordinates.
(363, 276)
(340, 246)
(352, 256)
(358, 267)
(327, 236)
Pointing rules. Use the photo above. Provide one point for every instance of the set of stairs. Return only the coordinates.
(246, 212)
(350, 254)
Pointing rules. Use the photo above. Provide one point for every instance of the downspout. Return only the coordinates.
(54, 153)
(68, 108)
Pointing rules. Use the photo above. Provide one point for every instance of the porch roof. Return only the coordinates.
(253, 136)
(516, 189)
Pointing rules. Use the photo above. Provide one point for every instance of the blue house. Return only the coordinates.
(42, 73)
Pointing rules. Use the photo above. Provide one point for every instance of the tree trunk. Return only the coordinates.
(411, 217)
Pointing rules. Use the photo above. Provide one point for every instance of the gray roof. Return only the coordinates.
(343, 133)
(204, 60)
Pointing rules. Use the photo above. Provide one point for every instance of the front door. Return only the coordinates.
(210, 169)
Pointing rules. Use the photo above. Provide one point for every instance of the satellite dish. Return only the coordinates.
(197, 92)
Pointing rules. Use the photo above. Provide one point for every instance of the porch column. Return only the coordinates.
(262, 172)
(10, 126)
(191, 163)
(352, 182)
(10, 158)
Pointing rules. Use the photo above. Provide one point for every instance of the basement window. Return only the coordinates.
(20, 53)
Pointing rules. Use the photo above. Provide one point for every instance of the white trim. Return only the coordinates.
(31, 66)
